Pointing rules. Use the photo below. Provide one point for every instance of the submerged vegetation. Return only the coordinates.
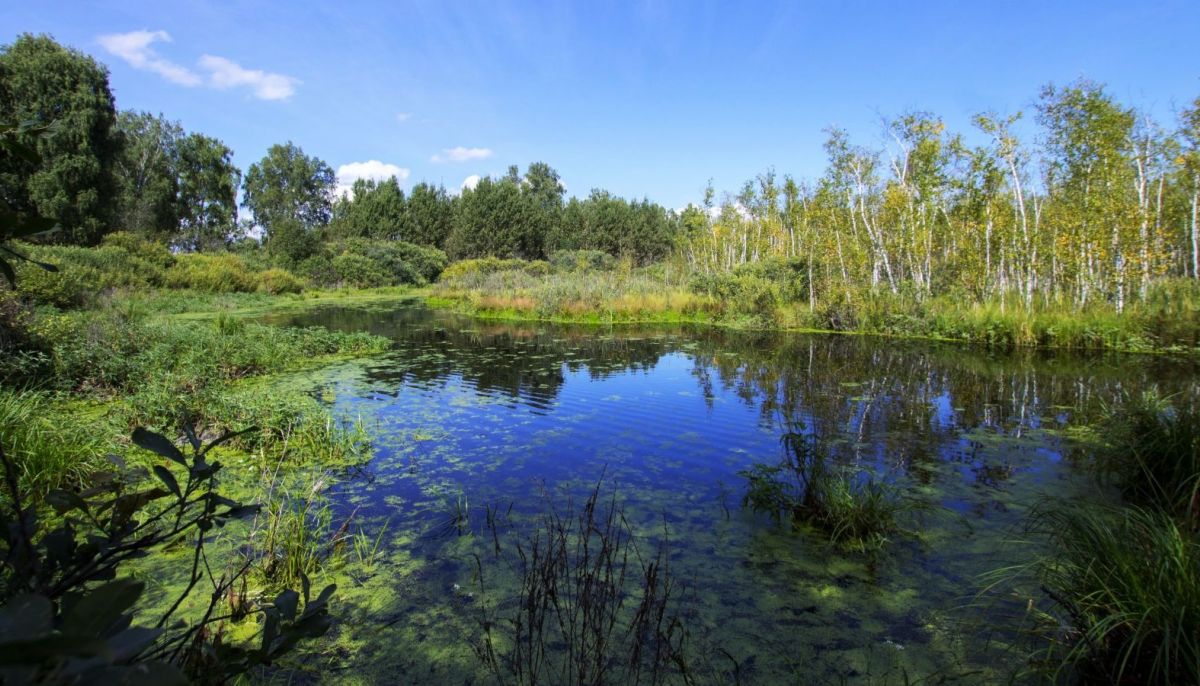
(805, 488)
(592, 608)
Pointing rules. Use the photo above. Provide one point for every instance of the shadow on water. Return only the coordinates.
(469, 415)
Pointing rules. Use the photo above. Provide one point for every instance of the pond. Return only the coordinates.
(469, 418)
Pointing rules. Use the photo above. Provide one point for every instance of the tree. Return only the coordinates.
(496, 219)
(207, 200)
(73, 183)
(286, 184)
(373, 210)
(430, 215)
(146, 174)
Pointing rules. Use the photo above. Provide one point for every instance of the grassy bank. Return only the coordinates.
(772, 295)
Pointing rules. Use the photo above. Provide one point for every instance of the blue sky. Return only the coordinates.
(641, 98)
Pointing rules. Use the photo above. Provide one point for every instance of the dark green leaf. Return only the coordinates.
(158, 444)
(286, 602)
(100, 609)
(168, 478)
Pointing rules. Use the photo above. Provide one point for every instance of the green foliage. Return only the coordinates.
(292, 242)
(278, 282)
(71, 179)
(146, 174)
(372, 210)
(84, 273)
(288, 185)
(430, 216)
(1154, 455)
(366, 263)
(581, 260)
(68, 617)
(50, 446)
(1126, 584)
(212, 273)
(495, 219)
(160, 367)
(641, 230)
(806, 489)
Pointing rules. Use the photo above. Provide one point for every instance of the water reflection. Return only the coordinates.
(491, 412)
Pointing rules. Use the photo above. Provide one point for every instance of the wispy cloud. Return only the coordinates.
(347, 174)
(461, 154)
(225, 73)
(403, 116)
(135, 48)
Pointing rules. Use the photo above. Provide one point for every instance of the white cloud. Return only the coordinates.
(403, 116)
(134, 48)
(347, 174)
(461, 154)
(224, 74)
(469, 183)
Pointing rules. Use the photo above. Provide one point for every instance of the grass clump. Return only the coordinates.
(1154, 455)
(1125, 588)
(50, 447)
(806, 489)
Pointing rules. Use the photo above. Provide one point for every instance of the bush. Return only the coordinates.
(123, 262)
(581, 260)
(279, 281)
(215, 273)
(360, 271)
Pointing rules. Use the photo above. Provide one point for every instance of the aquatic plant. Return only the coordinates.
(1153, 454)
(292, 537)
(67, 617)
(805, 488)
(591, 609)
(1124, 583)
(49, 446)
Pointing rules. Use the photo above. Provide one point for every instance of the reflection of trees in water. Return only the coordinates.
(908, 403)
(885, 401)
(523, 361)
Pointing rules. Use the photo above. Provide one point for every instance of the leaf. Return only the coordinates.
(100, 609)
(286, 603)
(131, 642)
(168, 478)
(158, 444)
(189, 430)
(26, 616)
(65, 501)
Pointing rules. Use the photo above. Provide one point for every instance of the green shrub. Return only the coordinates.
(212, 273)
(1154, 455)
(581, 260)
(279, 281)
(360, 271)
(807, 489)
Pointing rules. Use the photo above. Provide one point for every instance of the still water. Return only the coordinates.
(467, 416)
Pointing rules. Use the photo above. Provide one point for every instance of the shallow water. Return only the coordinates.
(466, 415)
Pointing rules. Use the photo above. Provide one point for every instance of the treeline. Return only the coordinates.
(103, 171)
(1093, 208)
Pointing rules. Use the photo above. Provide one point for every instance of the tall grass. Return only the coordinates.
(51, 447)
(774, 294)
(1154, 454)
(1125, 586)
